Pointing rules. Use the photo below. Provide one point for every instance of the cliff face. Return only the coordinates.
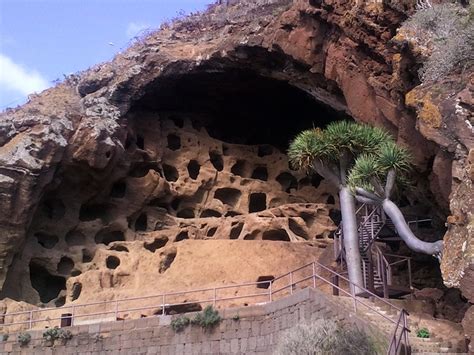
(183, 136)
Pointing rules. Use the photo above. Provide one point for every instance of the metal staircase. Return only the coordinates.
(377, 266)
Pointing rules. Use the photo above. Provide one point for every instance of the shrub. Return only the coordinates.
(324, 337)
(5, 337)
(423, 333)
(448, 30)
(55, 333)
(24, 338)
(179, 323)
(207, 319)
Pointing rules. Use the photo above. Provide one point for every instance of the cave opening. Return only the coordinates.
(48, 286)
(238, 106)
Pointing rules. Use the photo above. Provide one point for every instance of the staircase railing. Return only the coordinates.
(160, 303)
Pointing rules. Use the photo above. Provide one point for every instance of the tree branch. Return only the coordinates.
(326, 172)
(368, 194)
(366, 200)
(391, 176)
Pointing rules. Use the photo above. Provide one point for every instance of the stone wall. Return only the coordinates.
(256, 330)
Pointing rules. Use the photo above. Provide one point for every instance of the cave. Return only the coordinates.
(276, 235)
(240, 168)
(141, 223)
(235, 231)
(155, 244)
(193, 169)
(74, 238)
(166, 261)
(257, 202)
(228, 196)
(171, 173)
(216, 160)
(54, 209)
(65, 265)
(238, 105)
(47, 241)
(112, 262)
(287, 181)
(174, 142)
(48, 286)
(106, 237)
(265, 281)
(181, 236)
(260, 173)
(118, 189)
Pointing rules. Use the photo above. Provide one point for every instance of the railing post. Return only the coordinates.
(405, 335)
(335, 281)
(409, 278)
(163, 304)
(73, 309)
(314, 275)
(215, 297)
(270, 291)
(291, 283)
(31, 320)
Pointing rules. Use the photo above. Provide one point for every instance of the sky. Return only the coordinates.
(44, 40)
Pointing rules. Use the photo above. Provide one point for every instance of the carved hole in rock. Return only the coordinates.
(54, 209)
(106, 237)
(48, 286)
(330, 200)
(181, 236)
(257, 202)
(91, 212)
(240, 168)
(140, 141)
(235, 232)
(75, 273)
(265, 281)
(175, 203)
(211, 231)
(87, 256)
(276, 234)
(76, 291)
(47, 241)
(171, 173)
(297, 229)
(185, 213)
(232, 214)
(287, 181)
(228, 196)
(141, 223)
(156, 244)
(335, 215)
(193, 169)
(141, 169)
(167, 261)
(225, 150)
(65, 265)
(264, 150)
(60, 301)
(178, 121)
(112, 262)
(313, 180)
(216, 160)
(174, 142)
(308, 218)
(118, 189)
(210, 213)
(74, 238)
(119, 247)
(260, 173)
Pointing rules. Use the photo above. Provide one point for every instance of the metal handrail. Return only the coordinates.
(291, 284)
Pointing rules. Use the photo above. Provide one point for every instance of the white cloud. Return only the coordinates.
(134, 28)
(17, 78)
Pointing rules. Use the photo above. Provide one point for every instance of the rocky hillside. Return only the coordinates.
(183, 136)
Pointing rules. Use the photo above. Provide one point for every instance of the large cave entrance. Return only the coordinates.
(239, 106)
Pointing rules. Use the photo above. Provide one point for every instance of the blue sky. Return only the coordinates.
(43, 40)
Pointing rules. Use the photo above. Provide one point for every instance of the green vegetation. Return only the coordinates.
(207, 319)
(448, 30)
(53, 334)
(423, 333)
(24, 339)
(5, 337)
(180, 323)
(324, 336)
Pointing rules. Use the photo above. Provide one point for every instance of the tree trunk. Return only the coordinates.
(351, 237)
(404, 231)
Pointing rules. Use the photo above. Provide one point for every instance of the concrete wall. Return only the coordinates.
(256, 331)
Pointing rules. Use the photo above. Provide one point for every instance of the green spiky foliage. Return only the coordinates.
(338, 138)
(372, 169)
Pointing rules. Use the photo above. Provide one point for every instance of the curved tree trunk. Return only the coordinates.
(351, 237)
(404, 231)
